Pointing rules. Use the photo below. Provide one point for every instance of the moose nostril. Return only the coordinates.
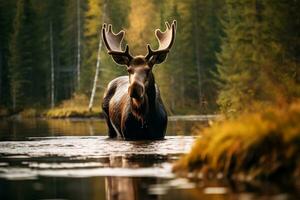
(136, 91)
(134, 94)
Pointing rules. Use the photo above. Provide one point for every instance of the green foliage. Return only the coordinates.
(186, 79)
(7, 14)
(16, 72)
(227, 53)
(254, 66)
(255, 145)
(93, 20)
(68, 46)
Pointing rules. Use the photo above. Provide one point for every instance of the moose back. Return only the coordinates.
(132, 104)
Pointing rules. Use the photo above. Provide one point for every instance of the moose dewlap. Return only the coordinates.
(132, 104)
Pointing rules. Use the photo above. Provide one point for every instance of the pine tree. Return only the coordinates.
(238, 67)
(206, 36)
(15, 60)
(143, 20)
(68, 56)
(177, 77)
(7, 12)
(283, 19)
(116, 13)
(253, 63)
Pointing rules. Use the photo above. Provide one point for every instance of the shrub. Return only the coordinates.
(254, 145)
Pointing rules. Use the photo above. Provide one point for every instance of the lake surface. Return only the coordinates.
(73, 159)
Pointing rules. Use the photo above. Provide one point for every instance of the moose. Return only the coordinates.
(132, 104)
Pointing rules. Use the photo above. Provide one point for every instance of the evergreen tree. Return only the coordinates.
(143, 20)
(68, 56)
(283, 19)
(238, 67)
(116, 13)
(7, 12)
(15, 60)
(177, 77)
(206, 42)
(253, 64)
(251, 48)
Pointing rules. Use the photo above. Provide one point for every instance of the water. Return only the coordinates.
(22, 129)
(73, 159)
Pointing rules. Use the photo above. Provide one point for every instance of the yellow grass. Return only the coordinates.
(264, 144)
(30, 113)
(75, 107)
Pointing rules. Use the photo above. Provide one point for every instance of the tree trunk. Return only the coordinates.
(96, 75)
(14, 97)
(52, 64)
(197, 52)
(1, 98)
(98, 63)
(78, 44)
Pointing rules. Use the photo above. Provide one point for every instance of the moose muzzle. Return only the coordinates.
(136, 90)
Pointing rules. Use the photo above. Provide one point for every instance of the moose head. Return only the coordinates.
(139, 67)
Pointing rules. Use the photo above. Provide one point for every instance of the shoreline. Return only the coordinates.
(173, 118)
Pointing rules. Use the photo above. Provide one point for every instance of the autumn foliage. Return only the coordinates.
(264, 144)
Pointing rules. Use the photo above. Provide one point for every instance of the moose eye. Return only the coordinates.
(147, 70)
(130, 70)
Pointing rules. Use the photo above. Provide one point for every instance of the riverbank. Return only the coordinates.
(76, 107)
(257, 145)
(59, 112)
(72, 111)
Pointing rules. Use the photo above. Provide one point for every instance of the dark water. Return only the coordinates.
(73, 159)
(22, 129)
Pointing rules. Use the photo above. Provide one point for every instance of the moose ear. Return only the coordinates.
(158, 59)
(121, 58)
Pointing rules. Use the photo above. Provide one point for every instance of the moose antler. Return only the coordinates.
(165, 41)
(113, 44)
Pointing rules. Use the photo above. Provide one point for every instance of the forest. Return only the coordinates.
(230, 86)
(228, 54)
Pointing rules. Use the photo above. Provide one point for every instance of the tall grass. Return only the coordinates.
(75, 107)
(264, 144)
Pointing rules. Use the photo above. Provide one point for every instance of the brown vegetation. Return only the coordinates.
(75, 107)
(262, 144)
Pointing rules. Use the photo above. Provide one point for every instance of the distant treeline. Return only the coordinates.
(228, 54)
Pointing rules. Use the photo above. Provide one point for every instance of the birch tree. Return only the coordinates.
(96, 75)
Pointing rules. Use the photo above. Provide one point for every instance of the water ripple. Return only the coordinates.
(97, 146)
(74, 156)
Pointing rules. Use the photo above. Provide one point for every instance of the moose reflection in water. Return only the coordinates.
(132, 104)
(123, 188)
